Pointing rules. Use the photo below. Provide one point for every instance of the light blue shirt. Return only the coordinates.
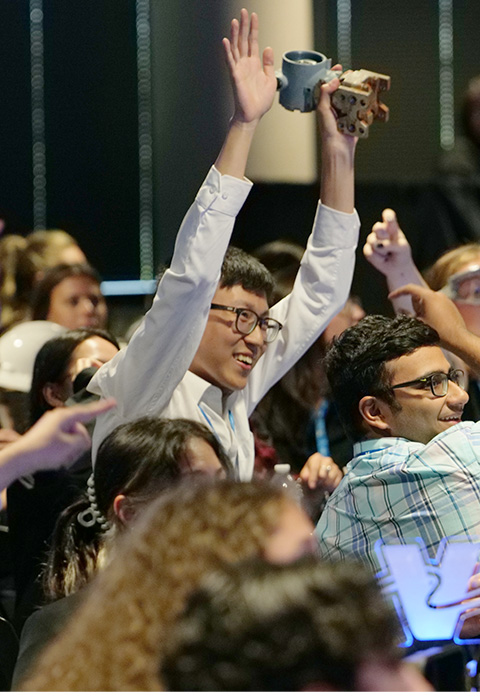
(396, 489)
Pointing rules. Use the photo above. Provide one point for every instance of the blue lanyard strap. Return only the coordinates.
(230, 418)
(321, 436)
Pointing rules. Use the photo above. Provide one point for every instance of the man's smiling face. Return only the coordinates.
(225, 357)
(422, 415)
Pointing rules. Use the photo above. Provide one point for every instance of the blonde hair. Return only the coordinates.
(22, 260)
(11, 248)
(45, 247)
(450, 263)
(115, 640)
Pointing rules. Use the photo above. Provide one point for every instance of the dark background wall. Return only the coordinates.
(91, 122)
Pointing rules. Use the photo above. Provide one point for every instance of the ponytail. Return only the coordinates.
(74, 553)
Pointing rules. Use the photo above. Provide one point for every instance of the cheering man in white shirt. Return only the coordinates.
(210, 347)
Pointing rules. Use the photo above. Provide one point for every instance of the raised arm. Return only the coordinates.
(323, 281)
(254, 85)
(338, 152)
(438, 311)
(388, 250)
(144, 376)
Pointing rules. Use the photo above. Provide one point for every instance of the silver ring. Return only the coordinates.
(328, 468)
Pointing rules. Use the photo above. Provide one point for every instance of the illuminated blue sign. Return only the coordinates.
(431, 596)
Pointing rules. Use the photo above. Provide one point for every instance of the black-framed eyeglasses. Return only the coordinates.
(437, 382)
(247, 320)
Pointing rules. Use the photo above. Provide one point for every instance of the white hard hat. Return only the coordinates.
(18, 349)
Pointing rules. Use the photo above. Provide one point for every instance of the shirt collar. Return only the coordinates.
(206, 393)
(377, 444)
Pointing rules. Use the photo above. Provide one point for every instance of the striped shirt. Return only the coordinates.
(396, 489)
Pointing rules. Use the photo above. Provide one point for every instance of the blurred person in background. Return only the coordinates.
(35, 503)
(464, 159)
(117, 638)
(450, 206)
(305, 626)
(135, 463)
(23, 263)
(296, 417)
(70, 295)
(11, 247)
(59, 363)
(18, 349)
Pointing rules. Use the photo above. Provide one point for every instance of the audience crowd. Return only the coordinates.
(143, 545)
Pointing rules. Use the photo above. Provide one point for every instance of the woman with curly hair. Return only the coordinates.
(117, 638)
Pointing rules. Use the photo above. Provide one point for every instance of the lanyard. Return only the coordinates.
(230, 418)
(321, 436)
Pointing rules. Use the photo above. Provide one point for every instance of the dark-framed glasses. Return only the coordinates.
(437, 382)
(247, 320)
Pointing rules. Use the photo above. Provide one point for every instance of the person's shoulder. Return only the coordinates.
(40, 628)
(55, 612)
(463, 430)
(457, 444)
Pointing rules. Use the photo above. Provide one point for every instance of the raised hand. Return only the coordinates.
(387, 248)
(438, 311)
(253, 79)
(338, 151)
(327, 116)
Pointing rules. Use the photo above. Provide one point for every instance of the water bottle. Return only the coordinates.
(285, 480)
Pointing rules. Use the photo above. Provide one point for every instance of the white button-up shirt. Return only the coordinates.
(150, 376)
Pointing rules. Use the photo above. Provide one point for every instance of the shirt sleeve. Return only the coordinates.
(143, 376)
(320, 291)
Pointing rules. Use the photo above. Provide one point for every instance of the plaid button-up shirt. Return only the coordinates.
(396, 489)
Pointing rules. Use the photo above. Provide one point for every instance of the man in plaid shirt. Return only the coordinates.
(416, 466)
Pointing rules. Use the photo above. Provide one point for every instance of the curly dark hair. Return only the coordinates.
(257, 626)
(355, 363)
